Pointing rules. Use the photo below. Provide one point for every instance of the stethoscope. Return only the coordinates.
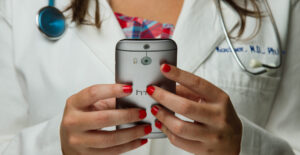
(51, 21)
(52, 24)
(253, 63)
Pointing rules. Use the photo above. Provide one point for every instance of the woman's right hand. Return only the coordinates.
(94, 108)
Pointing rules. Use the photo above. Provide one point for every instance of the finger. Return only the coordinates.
(187, 145)
(94, 93)
(107, 118)
(105, 139)
(202, 87)
(203, 113)
(187, 93)
(106, 104)
(183, 129)
(118, 149)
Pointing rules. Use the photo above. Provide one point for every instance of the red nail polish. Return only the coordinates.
(143, 114)
(166, 68)
(150, 90)
(158, 124)
(148, 129)
(144, 141)
(127, 89)
(154, 110)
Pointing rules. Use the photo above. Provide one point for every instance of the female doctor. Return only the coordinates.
(55, 94)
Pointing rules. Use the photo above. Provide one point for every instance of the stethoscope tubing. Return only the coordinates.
(230, 44)
(51, 3)
(265, 67)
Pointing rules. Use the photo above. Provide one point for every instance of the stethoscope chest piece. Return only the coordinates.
(51, 22)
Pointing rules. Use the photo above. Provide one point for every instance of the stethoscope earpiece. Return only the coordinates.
(51, 22)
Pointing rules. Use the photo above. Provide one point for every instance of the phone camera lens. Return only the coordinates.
(146, 60)
(146, 46)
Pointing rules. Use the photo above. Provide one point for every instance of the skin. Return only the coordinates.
(164, 11)
(216, 129)
(92, 109)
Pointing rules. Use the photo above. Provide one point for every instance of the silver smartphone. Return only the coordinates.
(138, 63)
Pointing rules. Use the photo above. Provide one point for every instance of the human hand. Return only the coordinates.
(94, 108)
(216, 129)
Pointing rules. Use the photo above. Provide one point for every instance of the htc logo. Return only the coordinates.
(140, 92)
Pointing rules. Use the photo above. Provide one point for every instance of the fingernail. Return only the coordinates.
(150, 90)
(166, 68)
(143, 114)
(127, 89)
(148, 129)
(158, 124)
(154, 110)
(144, 141)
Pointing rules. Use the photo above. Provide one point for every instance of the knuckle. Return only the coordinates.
(179, 128)
(161, 96)
(131, 115)
(139, 132)
(163, 115)
(198, 82)
(92, 91)
(186, 108)
(173, 139)
(102, 118)
(176, 73)
(135, 133)
(102, 105)
(74, 141)
(69, 122)
(218, 112)
(115, 88)
(220, 116)
(69, 101)
(96, 142)
(113, 138)
(217, 138)
(222, 125)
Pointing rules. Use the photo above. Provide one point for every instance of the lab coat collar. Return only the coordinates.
(198, 20)
(102, 41)
(200, 23)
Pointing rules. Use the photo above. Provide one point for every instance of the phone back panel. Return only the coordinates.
(132, 69)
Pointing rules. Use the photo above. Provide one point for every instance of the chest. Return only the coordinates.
(50, 72)
(166, 11)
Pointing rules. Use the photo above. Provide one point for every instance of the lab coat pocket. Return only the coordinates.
(252, 96)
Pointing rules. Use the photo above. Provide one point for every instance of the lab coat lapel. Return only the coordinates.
(282, 16)
(198, 20)
(198, 31)
(102, 41)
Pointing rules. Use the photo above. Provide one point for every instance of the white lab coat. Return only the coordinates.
(38, 75)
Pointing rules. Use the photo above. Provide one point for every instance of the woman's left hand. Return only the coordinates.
(216, 129)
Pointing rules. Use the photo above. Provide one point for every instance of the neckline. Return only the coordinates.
(131, 18)
(182, 10)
